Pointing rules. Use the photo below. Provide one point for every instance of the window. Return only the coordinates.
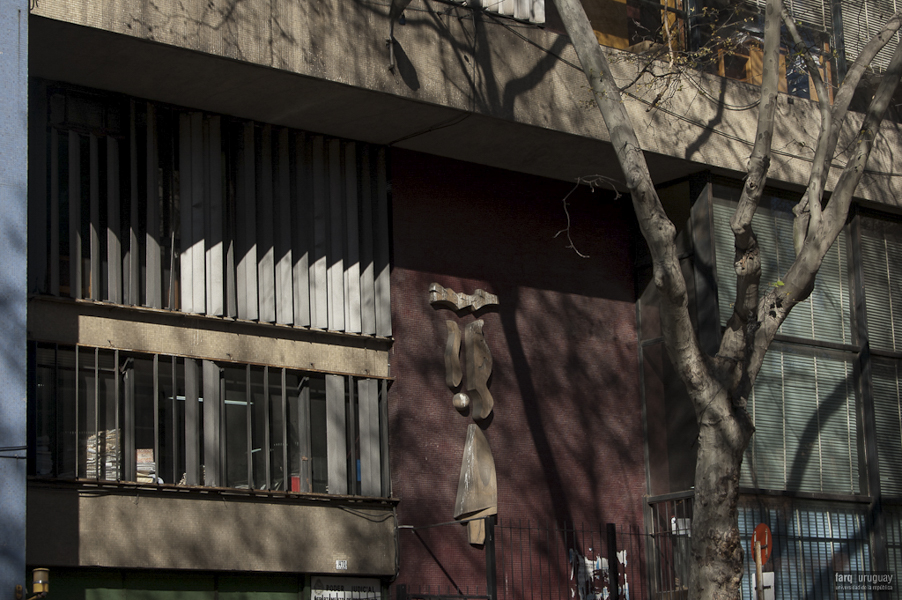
(861, 21)
(825, 315)
(812, 540)
(803, 408)
(828, 28)
(115, 416)
(150, 205)
(804, 403)
(881, 253)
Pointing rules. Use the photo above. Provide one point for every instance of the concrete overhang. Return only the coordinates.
(223, 339)
(468, 85)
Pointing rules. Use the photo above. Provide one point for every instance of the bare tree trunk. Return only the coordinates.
(716, 570)
(725, 429)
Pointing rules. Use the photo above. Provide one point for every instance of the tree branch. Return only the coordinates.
(799, 280)
(841, 102)
(808, 213)
(747, 261)
(659, 232)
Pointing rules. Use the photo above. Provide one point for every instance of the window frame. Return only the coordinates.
(192, 442)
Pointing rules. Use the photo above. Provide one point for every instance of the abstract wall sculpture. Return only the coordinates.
(479, 368)
(477, 488)
(442, 296)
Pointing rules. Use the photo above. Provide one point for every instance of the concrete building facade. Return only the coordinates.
(238, 379)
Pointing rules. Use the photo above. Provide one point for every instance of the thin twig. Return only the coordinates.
(593, 182)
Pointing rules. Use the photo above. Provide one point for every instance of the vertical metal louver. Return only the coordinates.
(526, 10)
(861, 21)
(190, 211)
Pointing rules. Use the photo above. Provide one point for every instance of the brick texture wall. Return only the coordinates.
(566, 433)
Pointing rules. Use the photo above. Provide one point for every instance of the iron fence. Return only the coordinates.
(566, 562)
(529, 561)
(812, 542)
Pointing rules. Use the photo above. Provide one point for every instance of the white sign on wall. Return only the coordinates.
(768, 579)
(345, 588)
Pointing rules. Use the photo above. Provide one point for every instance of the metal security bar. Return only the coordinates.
(670, 528)
(812, 541)
(894, 545)
(158, 419)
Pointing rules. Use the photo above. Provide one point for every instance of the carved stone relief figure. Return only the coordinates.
(477, 488)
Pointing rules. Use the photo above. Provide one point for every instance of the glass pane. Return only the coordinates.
(276, 434)
(45, 408)
(236, 425)
(805, 439)
(87, 413)
(320, 470)
(297, 430)
(837, 424)
(888, 418)
(145, 417)
(69, 448)
(881, 252)
(765, 460)
(259, 410)
(108, 416)
(172, 420)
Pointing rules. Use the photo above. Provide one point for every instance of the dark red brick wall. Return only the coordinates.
(566, 434)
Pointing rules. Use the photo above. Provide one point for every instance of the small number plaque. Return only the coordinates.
(341, 565)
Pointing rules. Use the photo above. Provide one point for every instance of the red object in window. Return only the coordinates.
(762, 534)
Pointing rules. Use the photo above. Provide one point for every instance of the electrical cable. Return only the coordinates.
(13, 449)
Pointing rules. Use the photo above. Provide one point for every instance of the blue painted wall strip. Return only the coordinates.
(13, 288)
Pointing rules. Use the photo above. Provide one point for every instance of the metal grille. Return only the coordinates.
(812, 541)
(159, 419)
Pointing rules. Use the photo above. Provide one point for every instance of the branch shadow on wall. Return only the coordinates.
(566, 436)
(405, 67)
